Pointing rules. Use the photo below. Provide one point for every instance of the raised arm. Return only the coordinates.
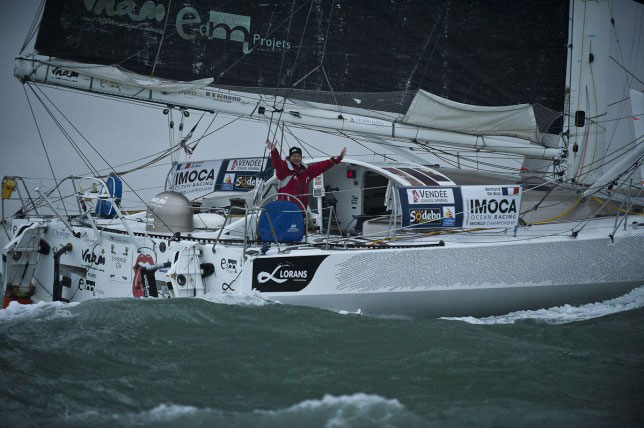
(318, 168)
(279, 164)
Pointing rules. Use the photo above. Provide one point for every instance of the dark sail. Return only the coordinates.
(485, 53)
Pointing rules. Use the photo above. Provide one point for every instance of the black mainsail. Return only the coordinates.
(344, 65)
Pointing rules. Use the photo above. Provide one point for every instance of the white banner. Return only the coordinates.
(195, 179)
(245, 165)
(491, 206)
(430, 196)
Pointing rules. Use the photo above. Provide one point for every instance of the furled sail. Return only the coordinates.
(117, 75)
(435, 112)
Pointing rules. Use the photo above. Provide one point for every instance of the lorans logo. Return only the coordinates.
(282, 273)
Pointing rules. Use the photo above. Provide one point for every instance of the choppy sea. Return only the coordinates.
(243, 361)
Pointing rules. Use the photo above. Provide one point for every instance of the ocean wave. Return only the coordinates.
(566, 313)
(40, 311)
(246, 299)
(329, 412)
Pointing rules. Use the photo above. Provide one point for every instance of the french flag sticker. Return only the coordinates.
(510, 190)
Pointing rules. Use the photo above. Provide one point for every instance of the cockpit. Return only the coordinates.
(355, 197)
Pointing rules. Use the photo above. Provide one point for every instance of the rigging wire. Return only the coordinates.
(431, 55)
(33, 28)
(42, 141)
(173, 156)
(626, 70)
(288, 33)
(194, 147)
(62, 129)
(99, 154)
(165, 27)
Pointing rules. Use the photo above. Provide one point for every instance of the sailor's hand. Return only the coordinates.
(270, 145)
(342, 153)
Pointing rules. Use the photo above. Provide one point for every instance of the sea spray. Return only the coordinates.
(566, 313)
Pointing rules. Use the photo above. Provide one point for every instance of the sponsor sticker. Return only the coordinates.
(59, 73)
(430, 196)
(245, 165)
(138, 282)
(491, 206)
(245, 182)
(229, 182)
(229, 265)
(430, 216)
(195, 179)
(449, 216)
(282, 274)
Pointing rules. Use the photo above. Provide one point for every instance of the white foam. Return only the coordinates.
(159, 415)
(566, 314)
(360, 400)
(253, 298)
(358, 312)
(331, 411)
(164, 412)
(39, 311)
(344, 410)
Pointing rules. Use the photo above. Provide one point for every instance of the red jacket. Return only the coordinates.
(295, 180)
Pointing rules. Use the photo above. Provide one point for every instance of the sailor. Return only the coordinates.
(294, 176)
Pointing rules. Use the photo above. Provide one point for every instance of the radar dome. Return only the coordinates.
(169, 212)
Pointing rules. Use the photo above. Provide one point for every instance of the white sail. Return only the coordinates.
(586, 82)
(630, 159)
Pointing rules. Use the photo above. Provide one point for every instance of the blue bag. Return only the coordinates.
(104, 209)
(287, 220)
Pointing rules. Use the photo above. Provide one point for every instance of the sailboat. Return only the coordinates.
(395, 235)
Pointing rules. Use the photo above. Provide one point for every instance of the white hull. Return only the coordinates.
(478, 273)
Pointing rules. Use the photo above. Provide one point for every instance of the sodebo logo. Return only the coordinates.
(429, 215)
